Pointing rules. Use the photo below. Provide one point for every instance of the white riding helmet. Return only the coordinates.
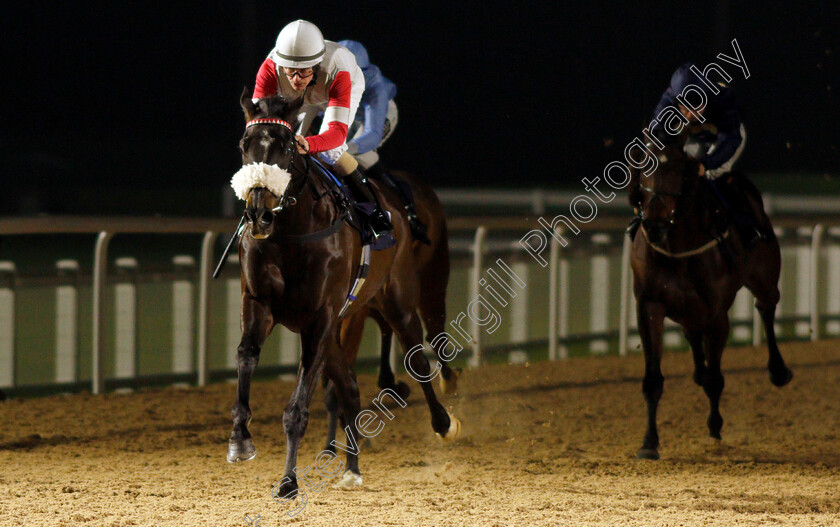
(299, 45)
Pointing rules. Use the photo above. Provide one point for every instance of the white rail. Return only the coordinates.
(813, 253)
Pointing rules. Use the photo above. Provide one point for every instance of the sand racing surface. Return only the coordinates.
(541, 444)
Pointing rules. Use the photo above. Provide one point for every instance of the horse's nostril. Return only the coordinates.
(267, 217)
(249, 215)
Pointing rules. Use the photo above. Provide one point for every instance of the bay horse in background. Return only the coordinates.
(298, 260)
(682, 271)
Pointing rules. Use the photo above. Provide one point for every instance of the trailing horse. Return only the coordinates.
(687, 268)
(299, 259)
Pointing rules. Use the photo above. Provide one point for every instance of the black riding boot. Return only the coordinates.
(741, 214)
(418, 228)
(379, 222)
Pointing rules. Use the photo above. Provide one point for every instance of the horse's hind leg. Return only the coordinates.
(763, 283)
(386, 375)
(257, 323)
(331, 402)
(409, 330)
(432, 305)
(651, 318)
(695, 340)
(714, 342)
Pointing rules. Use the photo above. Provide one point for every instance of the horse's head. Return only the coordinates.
(269, 152)
(663, 194)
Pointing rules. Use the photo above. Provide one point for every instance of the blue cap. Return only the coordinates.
(359, 51)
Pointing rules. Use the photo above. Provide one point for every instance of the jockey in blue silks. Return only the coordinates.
(718, 141)
(373, 124)
(377, 114)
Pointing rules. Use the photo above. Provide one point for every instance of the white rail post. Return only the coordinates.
(7, 323)
(816, 243)
(182, 314)
(553, 300)
(599, 287)
(204, 294)
(563, 314)
(832, 289)
(624, 299)
(100, 269)
(125, 321)
(803, 279)
(478, 267)
(558, 300)
(67, 321)
(519, 314)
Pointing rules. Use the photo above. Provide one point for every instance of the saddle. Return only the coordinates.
(356, 213)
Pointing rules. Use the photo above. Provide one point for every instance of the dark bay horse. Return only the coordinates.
(299, 259)
(680, 271)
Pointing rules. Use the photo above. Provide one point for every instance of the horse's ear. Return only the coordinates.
(248, 106)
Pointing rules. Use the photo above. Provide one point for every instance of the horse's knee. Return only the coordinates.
(248, 353)
(295, 419)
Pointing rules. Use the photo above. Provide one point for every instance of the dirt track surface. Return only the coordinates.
(544, 444)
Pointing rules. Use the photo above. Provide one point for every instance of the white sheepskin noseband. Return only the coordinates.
(271, 177)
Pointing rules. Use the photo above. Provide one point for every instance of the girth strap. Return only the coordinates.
(317, 235)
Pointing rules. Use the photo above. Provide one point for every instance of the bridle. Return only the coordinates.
(291, 150)
(304, 175)
(657, 194)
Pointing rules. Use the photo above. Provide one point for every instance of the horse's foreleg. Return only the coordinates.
(651, 318)
(714, 342)
(257, 322)
(347, 390)
(315, 344)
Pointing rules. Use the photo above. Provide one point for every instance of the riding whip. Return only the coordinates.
(229, 245)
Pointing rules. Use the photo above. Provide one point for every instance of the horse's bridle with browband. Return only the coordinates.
(290, 200)
(657, 194)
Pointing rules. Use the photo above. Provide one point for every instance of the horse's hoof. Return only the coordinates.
(450, 386)
(454, 430)
(349, 481)
(241, 450)
(403, 390)
(286, 489)
(781, 378)
(647, 453)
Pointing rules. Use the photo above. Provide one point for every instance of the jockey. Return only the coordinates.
(326, 76)
(716, 139)
(717, 135)
(373, 125)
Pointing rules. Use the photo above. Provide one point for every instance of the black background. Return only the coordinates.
(110, 106)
